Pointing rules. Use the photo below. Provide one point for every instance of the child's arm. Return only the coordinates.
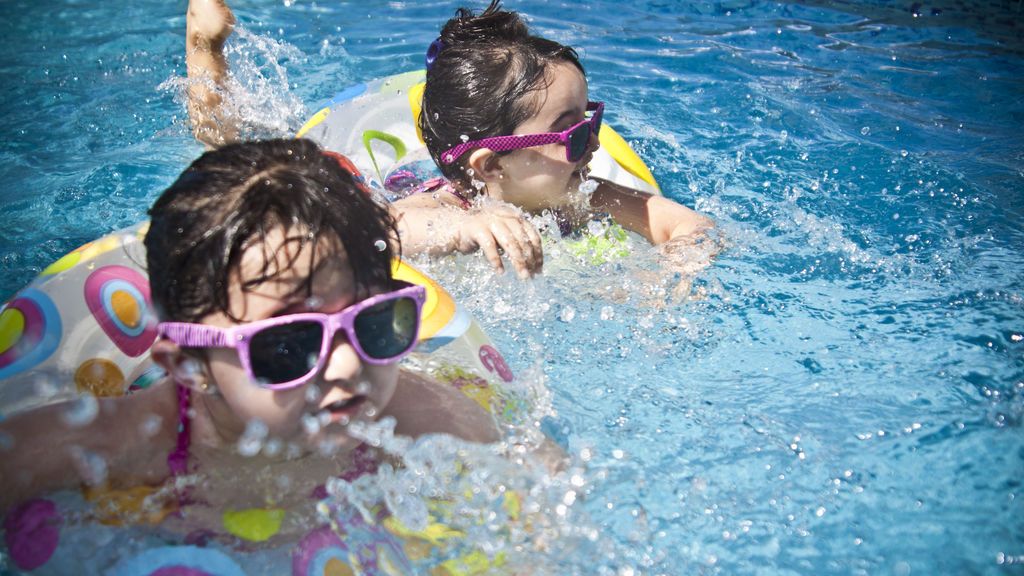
(125, 442)
(423, 406)
(208, 25)
(436, 226)
(654, 217)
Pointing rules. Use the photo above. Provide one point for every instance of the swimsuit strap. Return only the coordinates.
(177, 460)
(442, 185)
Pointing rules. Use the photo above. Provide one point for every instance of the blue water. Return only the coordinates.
(842, 391)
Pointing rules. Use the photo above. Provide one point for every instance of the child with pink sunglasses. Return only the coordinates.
(506, 115)
(270, 270)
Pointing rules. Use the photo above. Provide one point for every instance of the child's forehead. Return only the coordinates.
(292, 261)
(564, 88)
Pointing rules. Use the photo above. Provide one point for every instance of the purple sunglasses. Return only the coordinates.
(576, 139)
(287, 351)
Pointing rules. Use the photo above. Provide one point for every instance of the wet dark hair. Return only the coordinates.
(232, 198)
(478, 83)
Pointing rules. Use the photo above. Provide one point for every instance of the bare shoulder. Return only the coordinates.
(422, 405)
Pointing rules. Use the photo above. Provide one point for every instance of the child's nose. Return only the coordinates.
(343, 362)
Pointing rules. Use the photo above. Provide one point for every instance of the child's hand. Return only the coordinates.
(209, 23)
(498, 229)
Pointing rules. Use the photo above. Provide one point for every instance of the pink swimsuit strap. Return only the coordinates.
(442, 185)
(177, 460)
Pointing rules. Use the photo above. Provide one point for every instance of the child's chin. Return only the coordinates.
(333, 443)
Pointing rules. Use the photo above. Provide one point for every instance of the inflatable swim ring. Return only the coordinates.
(374, 124)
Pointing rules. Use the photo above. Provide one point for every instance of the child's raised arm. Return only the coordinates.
(208, 25)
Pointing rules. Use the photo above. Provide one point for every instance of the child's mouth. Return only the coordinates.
(343, 410)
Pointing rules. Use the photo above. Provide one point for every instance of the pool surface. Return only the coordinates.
(841, 391)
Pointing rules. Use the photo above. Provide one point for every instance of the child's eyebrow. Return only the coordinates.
(297, 297)
(563, 117)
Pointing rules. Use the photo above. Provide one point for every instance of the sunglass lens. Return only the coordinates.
(284, 353)
(387, 329)
(579, 139)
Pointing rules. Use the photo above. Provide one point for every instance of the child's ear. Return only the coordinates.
(183, 369)
(486, 165)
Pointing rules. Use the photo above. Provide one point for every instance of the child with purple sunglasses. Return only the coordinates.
(270, 271)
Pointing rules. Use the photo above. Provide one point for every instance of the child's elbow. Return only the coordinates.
(693, 227)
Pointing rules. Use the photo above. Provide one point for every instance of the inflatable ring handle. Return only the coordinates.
(393, 141)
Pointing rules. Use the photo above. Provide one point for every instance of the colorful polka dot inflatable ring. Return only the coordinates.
(84, 325)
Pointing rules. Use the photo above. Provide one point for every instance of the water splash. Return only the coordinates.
(504, 499)
(257, 94)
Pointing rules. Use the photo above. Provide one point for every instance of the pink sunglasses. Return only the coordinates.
(287, 351)
(576, 139)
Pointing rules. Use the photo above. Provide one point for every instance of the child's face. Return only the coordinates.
(346, 389)
(540, 177)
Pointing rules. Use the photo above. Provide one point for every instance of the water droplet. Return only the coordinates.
(865, 131)
(568, 314)
(251, 441)
(81, 411)
(310, 423)
(380, 245)
(313, 394)
(91, 466)
(150, 426)
(44, 387)
(272, 447)
(588, 186)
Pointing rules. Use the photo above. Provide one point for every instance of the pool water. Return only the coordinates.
(841, 391)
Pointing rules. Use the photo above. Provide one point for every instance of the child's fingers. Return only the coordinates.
(521, 242)
(536, 246)
(485, 240)
(506, 236)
